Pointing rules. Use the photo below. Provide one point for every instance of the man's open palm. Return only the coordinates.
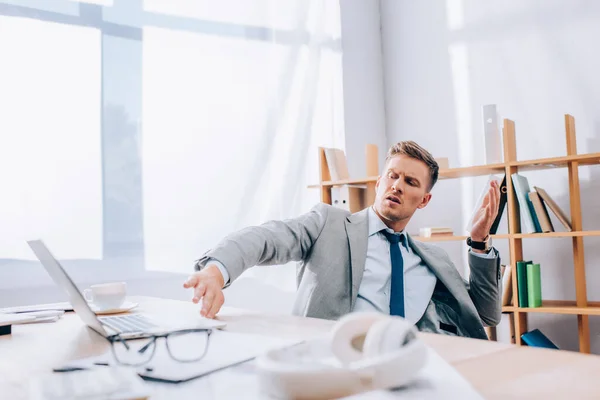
(485, 216)
(208, 287)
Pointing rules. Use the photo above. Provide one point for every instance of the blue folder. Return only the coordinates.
(535, 338)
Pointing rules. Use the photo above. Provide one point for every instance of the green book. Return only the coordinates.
(534, 285)
(522, 282)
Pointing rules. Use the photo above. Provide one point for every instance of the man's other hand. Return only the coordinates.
(208, 287)
(485, 216)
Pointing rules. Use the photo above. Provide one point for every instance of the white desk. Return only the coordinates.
(496, 370)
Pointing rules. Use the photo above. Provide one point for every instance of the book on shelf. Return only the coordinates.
(536, 338)
(547, 200)
(336, 163)
(507, 286)
(501, 206)
(534, 285)
(529, 223)
(541, 212)
(435, 231)
(522, 283)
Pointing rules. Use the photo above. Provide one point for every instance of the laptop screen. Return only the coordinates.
(63, 280)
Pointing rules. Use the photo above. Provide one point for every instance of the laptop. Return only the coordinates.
(135, 325)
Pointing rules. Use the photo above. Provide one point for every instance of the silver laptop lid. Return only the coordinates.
(62, 279)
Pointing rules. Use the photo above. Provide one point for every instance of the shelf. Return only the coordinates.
(479, 170)
(510, 165)
(555, 234)
(559, 307)
(370, 179)
(556, 162)
(451, 238)
(449, 173)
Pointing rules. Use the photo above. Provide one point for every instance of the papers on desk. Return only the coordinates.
(11, 319)
(100, 383)
(32, 317)
(64, 306)
(225, 350)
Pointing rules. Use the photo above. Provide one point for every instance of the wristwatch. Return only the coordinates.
(486, 245)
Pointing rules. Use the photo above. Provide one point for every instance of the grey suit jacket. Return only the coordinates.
(330, 245)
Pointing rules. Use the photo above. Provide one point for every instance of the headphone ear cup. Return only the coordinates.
(349, 334)
(392, 354)
(387, 335)
(375, 342)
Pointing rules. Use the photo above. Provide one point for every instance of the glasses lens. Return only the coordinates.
(133, 352)
(187, 346)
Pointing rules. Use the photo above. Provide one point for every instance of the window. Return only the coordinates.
(135, 135)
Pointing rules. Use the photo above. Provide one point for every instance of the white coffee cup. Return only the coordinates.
(106, 296)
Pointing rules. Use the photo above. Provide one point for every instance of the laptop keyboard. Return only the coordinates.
(129, 323)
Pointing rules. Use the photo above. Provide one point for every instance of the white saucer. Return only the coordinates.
(127, 306)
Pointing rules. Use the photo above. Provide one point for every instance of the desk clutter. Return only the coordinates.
(27, 317)
(224, 350)
(107, 383)
(8, 320)
(51, 312)
(272, 367)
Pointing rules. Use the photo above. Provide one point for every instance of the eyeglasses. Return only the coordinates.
(186, 345)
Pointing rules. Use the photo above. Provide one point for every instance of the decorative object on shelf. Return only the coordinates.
(435, 231)
(492, 135)
(443, 162)
(348, 197)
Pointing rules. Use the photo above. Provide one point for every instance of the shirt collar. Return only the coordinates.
(376, 224)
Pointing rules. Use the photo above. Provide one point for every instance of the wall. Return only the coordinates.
(443, 60)
(364, 109)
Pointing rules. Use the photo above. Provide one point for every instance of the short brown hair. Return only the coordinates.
(413, 150)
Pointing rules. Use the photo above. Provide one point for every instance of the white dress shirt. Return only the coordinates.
(374, 289)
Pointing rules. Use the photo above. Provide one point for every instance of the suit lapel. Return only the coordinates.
(357, 229)
(445, 272)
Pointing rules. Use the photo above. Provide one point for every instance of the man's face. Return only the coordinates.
(402, 189)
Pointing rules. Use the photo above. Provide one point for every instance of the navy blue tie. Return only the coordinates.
(397, 287)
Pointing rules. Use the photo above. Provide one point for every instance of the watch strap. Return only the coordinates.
(477, 245)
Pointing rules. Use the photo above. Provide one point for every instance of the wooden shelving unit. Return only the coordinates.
(580, 306)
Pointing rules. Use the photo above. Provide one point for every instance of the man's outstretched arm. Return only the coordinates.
(275, 242)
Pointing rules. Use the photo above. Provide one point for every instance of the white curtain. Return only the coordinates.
(232, 124)
(236, 97)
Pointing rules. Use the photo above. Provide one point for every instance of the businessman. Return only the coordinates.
(366, 261)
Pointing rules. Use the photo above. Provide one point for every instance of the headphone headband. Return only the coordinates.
(364, 351)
